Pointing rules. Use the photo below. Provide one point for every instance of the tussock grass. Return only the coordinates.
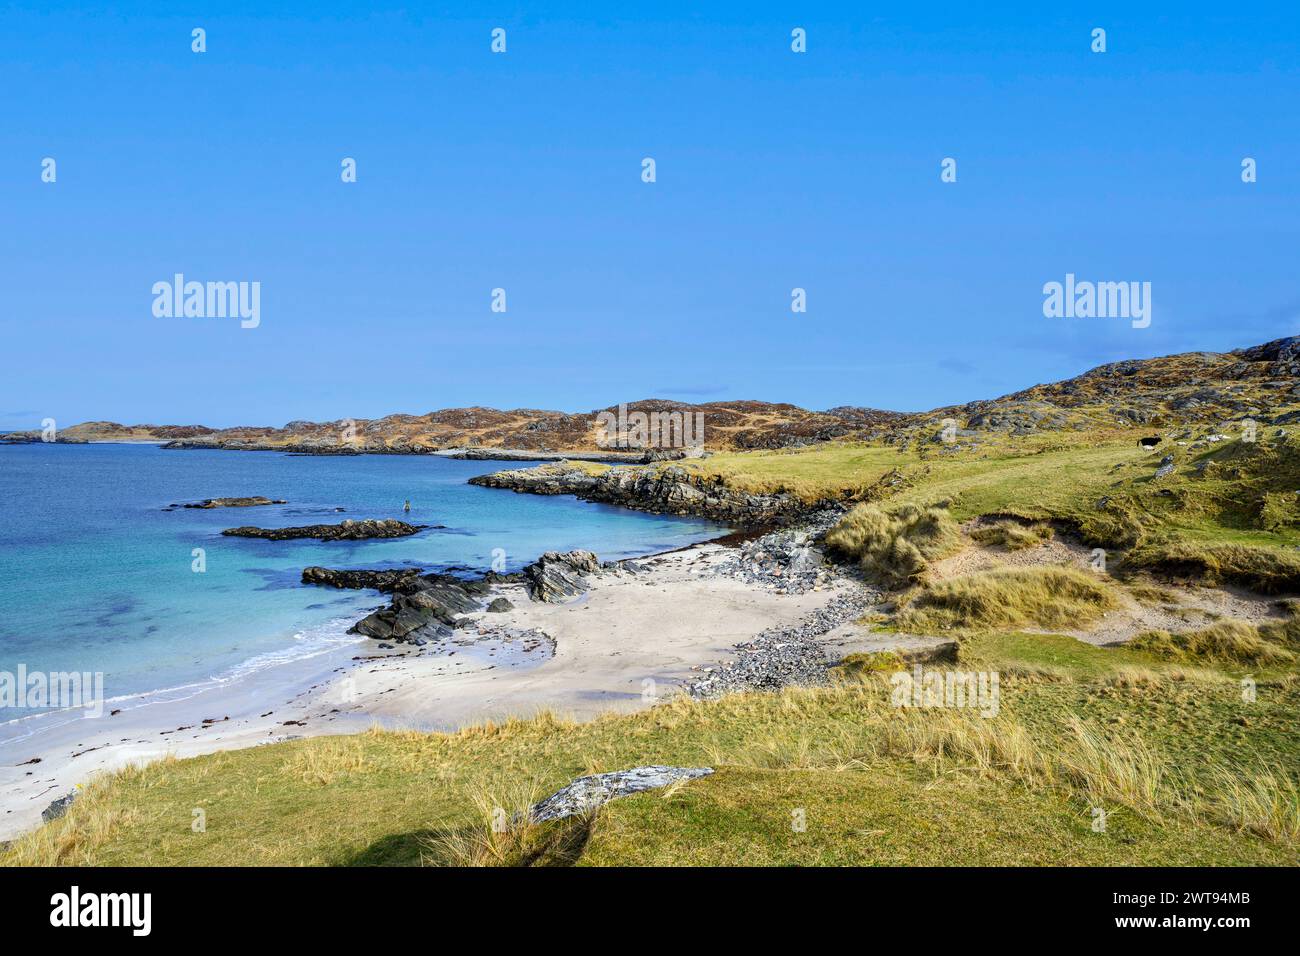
(94, 818)
(990, 747)
(1125, 770)
(1286, 630)
(504, 834)
(1266, 570)
(1012, 535)
(336, 759)
(894, 547)
(1229, 641)
(1010, 598)
(858, 666)
(1265, 802)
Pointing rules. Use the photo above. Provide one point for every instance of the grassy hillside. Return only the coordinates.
(1228, 491)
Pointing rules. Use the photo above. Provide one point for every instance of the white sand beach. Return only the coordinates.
(631, 639)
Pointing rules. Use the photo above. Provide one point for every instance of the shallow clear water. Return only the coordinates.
(95, 575)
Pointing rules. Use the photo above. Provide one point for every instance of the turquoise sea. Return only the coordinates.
(96, 576)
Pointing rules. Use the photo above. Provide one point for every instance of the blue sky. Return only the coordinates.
(522, 171)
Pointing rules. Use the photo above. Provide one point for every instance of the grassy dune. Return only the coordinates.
(1010, 598)
(1186, 772)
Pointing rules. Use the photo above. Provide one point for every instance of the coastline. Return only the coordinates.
(644, 631)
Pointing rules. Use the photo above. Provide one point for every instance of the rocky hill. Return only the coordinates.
(1213, 389)
(487, 432)
(1261, 383)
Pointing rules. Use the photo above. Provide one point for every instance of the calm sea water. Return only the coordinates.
(96, 576)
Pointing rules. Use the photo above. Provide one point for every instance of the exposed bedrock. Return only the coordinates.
(424, 606)
(557, 577)
(668, 490)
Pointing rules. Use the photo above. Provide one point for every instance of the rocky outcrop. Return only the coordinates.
(666, 490)
(59, 807)
(557, 577)
(388, 581)
(587, 793)
(235, 502)
(425, 607)
(346, 531)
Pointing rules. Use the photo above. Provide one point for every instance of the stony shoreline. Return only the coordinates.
(429, 608)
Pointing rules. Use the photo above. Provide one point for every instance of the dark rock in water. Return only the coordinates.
(235, 502)
(588, 793)
(346, 531)
(558, 576)
(424, 606)
(500, 604)
(398, 579)
(59, 807)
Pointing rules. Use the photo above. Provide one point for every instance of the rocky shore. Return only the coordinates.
(425, 607)
(428, 607)
(787, 562)
(345, 531)
(668, 489)
(786, 656)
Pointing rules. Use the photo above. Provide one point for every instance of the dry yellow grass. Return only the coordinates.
(1010, 598)
(1228, 641)
(894, 547)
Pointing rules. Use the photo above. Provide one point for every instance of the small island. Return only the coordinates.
(235, 502)
(346, 531)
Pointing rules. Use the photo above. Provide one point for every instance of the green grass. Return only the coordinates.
(1172, 754)
(1244, 494)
